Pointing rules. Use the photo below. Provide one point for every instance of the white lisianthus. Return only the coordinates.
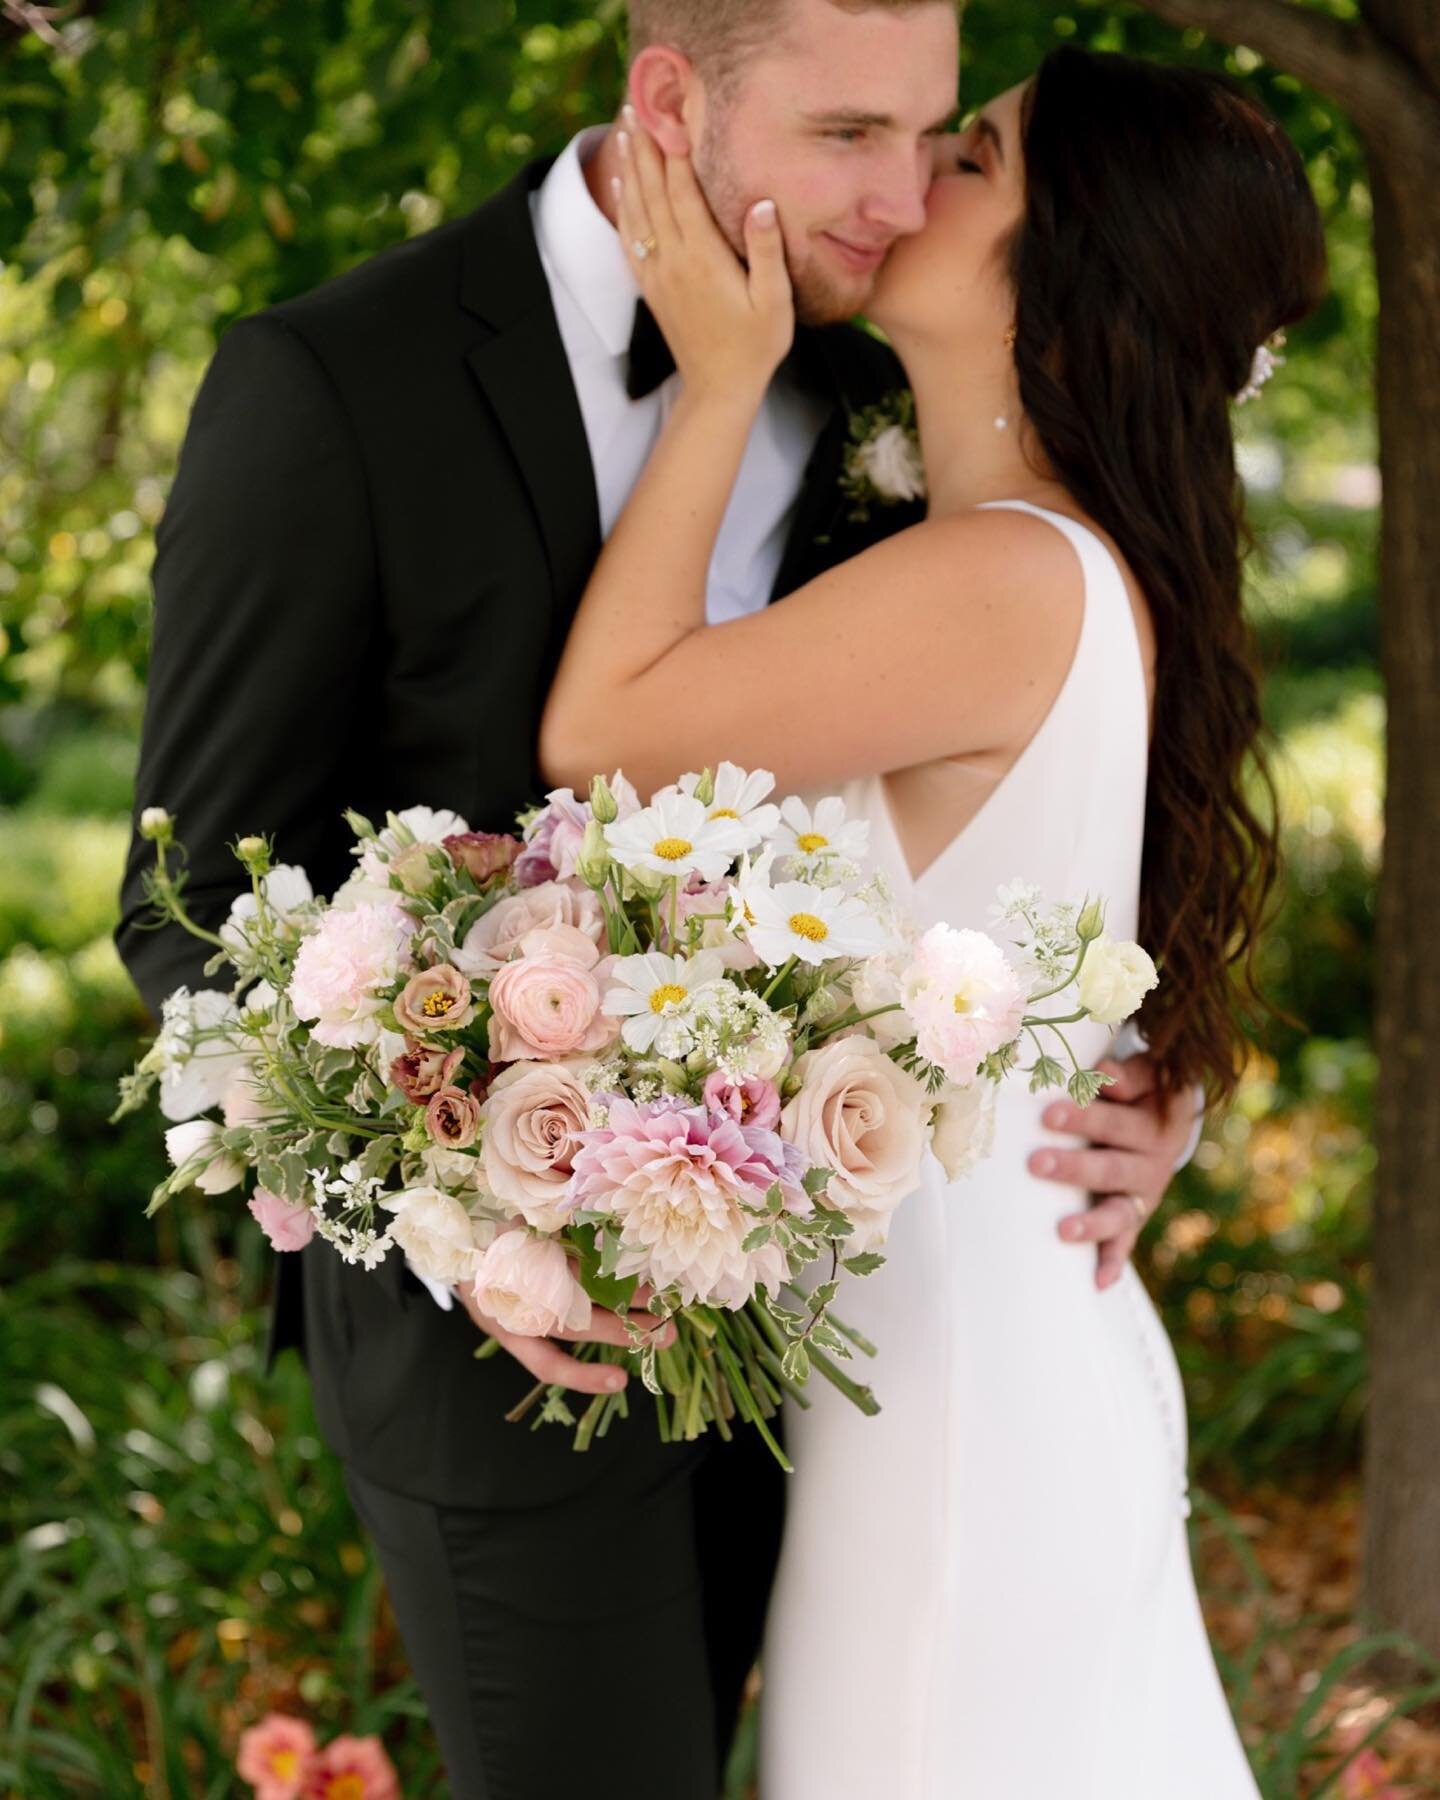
(890, 461)
(964, 1128)
(739, 795)
(416, 825)
(673, 837)
(815, 924)
(661, 999)
(197, 1139)
(807, 835)
(287, 893)
(1114, 978)
(199, 1051)
(437, 1234)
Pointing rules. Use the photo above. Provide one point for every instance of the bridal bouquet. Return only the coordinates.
(685, 1049)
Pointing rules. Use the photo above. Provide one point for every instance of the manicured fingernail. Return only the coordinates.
(1055, 1117)
(764, 212)
(617, 186)
(622, 138)
(615, 1382)
(1043, 1164)
(627, 112)
(1074, 1228)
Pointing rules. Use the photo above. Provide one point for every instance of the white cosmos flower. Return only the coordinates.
(815, 924)
(287, 893)
(739, 795)
(673, 837)
(808, 835)
(661, 998)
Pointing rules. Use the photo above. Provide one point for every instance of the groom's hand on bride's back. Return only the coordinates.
(547, 1361)
(1134, 1142)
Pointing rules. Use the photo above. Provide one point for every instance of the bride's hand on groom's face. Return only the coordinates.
(547, 1362)
(729, 327)
(1134, 1142)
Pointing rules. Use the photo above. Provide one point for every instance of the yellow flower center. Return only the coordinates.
(435, 1006)
(671, 994)
(724, 812)
(672, 849)
(811, 841)
(806, 925)
(962, 1003)
(345, 1787)
(285, 1765)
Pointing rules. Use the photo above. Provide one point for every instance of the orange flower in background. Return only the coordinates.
(1368, 1778)
(276, 1757)
(351, 1768)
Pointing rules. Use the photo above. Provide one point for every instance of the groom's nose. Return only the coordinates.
(896, 200)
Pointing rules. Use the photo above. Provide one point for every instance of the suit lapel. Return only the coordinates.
(523, 372)
(822, 359)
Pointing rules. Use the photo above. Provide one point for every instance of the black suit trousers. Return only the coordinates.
(598, 1645)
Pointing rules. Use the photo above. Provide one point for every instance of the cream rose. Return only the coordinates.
(527, 1285)
(1113, 980)
(497, 936)
(531, 1117)
(860, 1115)
(436, 1233)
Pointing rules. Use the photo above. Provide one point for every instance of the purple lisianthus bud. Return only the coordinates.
(483, 854)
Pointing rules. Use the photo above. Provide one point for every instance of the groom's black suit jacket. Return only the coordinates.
(383, 519)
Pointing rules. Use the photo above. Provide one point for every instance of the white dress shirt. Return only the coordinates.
(595, 294)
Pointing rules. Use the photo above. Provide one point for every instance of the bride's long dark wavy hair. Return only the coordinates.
(1169, 231)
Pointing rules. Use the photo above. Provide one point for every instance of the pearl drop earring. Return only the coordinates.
(1003, 422)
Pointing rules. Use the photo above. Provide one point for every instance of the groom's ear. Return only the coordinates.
(668, 96)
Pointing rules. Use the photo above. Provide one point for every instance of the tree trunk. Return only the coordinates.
(1402, 1463)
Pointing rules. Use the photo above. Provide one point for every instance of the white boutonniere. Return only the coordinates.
(882, 463)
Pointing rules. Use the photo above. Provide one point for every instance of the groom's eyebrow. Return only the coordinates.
(852, 118)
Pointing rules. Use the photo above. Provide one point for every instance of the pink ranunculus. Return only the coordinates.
(534, 1114)
(483, 854)
(423, 1070)
(752, 1102)
(546, 1004)
(351, 1768)
(677, 1180)
(453, 1118)
(342, 969)
(438, 999)
(287, 1226)
(527, 1284)
(496, 937)
(276, 1757)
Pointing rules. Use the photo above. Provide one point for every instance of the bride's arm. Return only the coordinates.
(952, 637)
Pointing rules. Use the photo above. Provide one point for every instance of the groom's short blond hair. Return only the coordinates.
(718, 36)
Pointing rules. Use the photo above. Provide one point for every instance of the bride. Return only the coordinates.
(987, 1589)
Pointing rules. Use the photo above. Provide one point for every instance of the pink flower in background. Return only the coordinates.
(276, 1757)
(288, 1227)
(753, 1102)
(546, 1004)
(528, 1285)
(341, 970)
(1368, 1778)
(351, 1768)
(677, 1181)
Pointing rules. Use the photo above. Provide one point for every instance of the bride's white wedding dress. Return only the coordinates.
(985, 1593)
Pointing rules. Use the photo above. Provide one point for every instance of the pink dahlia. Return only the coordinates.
(677, 1180)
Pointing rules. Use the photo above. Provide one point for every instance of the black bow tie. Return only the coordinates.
(650, 360)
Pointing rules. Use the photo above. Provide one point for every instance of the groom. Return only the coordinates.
(390, 497)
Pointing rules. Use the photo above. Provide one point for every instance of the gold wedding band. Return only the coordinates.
(644, 247)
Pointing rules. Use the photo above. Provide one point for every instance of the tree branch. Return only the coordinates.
(1387, 100)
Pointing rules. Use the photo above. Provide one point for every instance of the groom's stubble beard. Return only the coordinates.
(820, 299)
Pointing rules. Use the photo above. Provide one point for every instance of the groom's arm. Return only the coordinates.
(265, 610)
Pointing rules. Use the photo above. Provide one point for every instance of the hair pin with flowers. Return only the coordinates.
(1267, 360)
